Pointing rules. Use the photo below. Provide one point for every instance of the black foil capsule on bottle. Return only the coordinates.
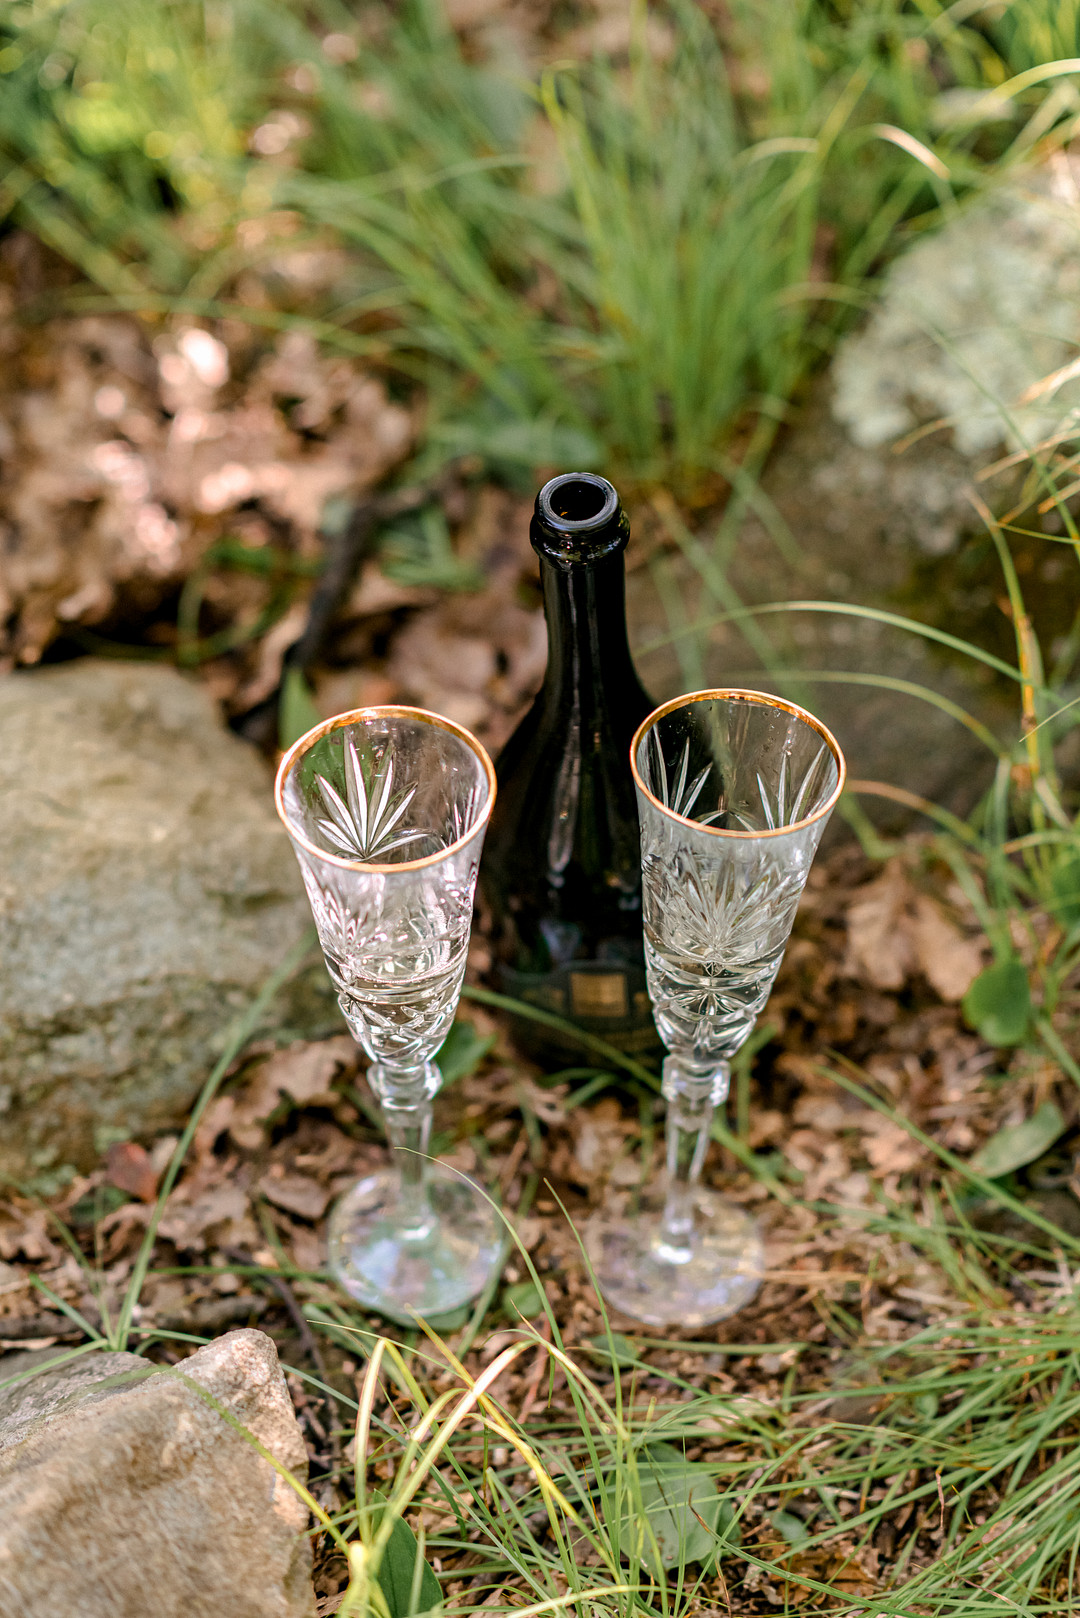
(561, 871)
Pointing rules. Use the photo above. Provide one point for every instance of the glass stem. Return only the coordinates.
(692, 1093)
(406, 1095)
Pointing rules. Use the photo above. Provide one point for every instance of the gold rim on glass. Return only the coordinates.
(388, 711)
(763, 699)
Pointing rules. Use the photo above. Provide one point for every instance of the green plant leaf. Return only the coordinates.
(397, 1575)
(524, 1299)
(417, 550)
(1018, 1144)
(691, 1521)
(462, 1051)
(793, 1528)
(998, 1004)
(1065, 889)
(453, 1320)
(617, 1348)
(532, 442)
(95, 1204)
(297, 713)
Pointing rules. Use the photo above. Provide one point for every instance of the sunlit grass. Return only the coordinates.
(653, 294)
(968, 1426)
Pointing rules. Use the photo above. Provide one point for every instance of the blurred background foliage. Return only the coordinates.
(633, 257)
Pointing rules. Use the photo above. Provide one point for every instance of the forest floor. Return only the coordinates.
(167, 489)
(865, 1076)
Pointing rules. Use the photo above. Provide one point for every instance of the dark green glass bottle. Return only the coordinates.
(561, 871)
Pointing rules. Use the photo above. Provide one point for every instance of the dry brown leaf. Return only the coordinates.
(374, 593)
(879, 950)
(12, 1281)
(296, 1193)
(165, 1295)
(848, 1575)
(130, 1168)
(949, 959)
(888, 1146)
(26, 1237)
(303, 1071)
(895, 931)
(767, 1127)
(107, 502)
(817, 1112)
(307, 1248)
(222, 1209)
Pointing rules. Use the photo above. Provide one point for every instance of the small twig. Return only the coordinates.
(513, 1162)
(346, 553)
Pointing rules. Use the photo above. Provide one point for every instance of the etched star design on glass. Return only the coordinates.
(386, 809)
(734, 790)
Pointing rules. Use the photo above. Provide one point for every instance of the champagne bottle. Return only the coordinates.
(561, 871)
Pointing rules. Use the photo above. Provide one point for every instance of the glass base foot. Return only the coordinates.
(432, 1275)
(716, 1275)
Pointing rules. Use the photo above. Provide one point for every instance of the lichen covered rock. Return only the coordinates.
(971, 322)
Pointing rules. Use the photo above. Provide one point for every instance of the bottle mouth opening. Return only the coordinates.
(576, 502)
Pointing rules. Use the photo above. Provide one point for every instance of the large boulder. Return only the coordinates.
(147, 890)
(123, 1491)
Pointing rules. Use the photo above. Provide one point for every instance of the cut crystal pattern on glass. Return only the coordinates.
(761, 774)
(397, 960)
(735, 789)
(387, 809)
(363, 827)
(718, 909)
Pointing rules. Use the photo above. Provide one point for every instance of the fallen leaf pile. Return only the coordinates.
(125, 455)
(475, 656)
(132, 458)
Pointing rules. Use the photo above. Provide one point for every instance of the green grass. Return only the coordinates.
(968, 1426)
(638, 1492)
(652, 295)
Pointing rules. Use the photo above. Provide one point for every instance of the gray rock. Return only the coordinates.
(969, 323)
(123, 1492)
(869, 528)
(887, 735)
(147, 890)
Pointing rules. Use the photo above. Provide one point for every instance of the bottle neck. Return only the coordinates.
(588, 650)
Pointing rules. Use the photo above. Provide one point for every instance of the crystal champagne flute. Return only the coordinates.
(386, 809)
(734, 789)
